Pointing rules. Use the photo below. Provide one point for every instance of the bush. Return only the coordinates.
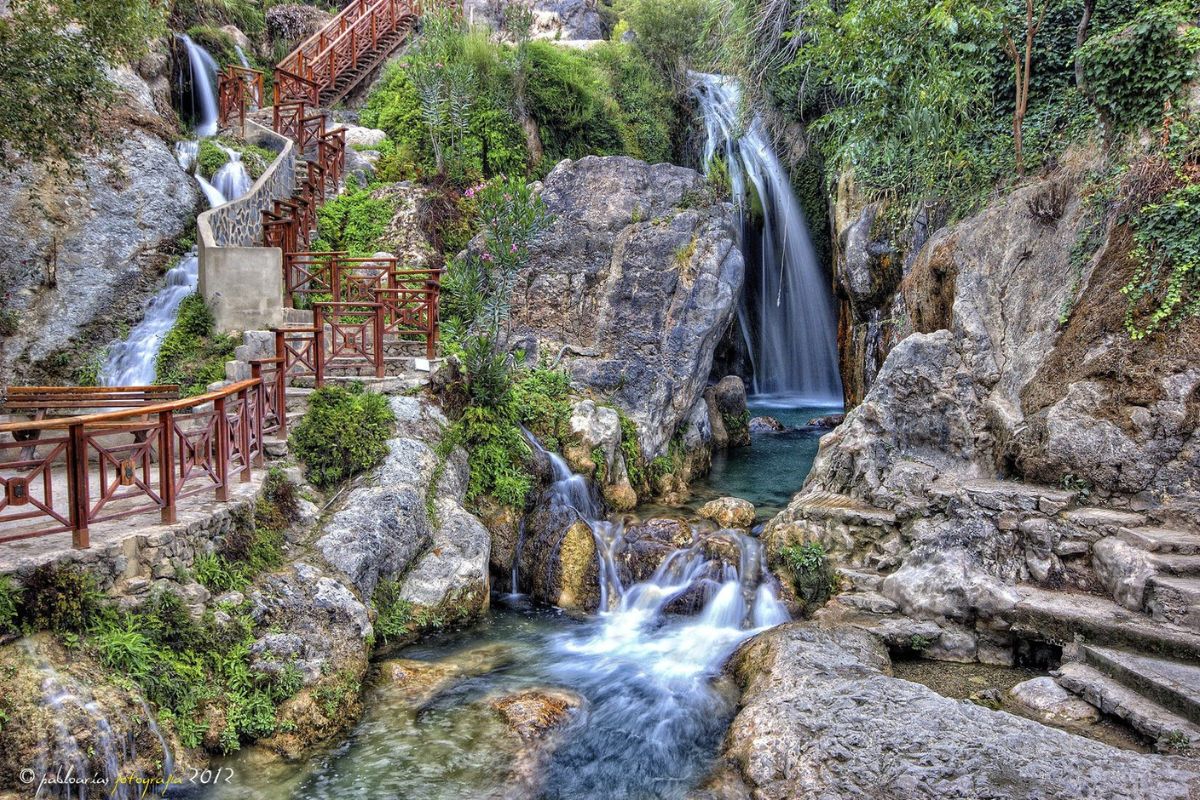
(575, 115)
(354, 221)
(10, 604)
(61, 598)
(810, 573)
(1130, 71)
(192, 354)
(343, 433)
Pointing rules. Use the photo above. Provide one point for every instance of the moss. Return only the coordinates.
(193, 354)
(10, 603)
(60, 598)
(808, 568)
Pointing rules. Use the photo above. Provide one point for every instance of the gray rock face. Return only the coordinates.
(560, 20)
(634, 285)
(383, 530)
(820, 718)
(84, 261)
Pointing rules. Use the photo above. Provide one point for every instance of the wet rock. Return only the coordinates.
(533, 713)
(820, 717)
(729, 512)
(827, 421)
(453, 575)
(558, 562)
(728, 413)
(647, 544)
(594, 451)
(766, 425)
(418, 682)
(1046, 700)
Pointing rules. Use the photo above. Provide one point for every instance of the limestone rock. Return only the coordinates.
(533, 713)
(363, 138)
(633, 286)
(820, 718)
(729, 512)
(766, 425)
(80, 256)
(1051, 703)
(455, 570)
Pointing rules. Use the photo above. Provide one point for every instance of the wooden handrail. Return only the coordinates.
(58, 423)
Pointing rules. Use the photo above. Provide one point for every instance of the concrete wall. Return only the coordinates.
(242, 282)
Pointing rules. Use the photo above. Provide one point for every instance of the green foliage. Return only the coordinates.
(454, 106)
(354, 221)
(186, 666)
(58, 597)
(245, 14)
(1131, 70)
(210, 158)
(542, 399)
(631, 450)
(395, 616)
(193, 355)
(10, 604)
(673, 36)
(343, 433)
(1164, 289)
(54, 85)
(810, 573)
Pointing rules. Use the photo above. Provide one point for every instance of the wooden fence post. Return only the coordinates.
(221, 431)
(77, 487)
(244, 422)
(166, 464)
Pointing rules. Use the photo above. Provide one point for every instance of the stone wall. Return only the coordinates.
(241, 281)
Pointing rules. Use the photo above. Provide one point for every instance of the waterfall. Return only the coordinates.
(134, 361)
(241, 56)
(744, 600)
(204, 94)
(789, 326)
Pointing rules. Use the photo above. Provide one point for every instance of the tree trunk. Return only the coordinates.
(1081, 33)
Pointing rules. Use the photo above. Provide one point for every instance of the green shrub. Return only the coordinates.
(395, 616)
(343, 433)
(210, 158)
(10, 604)
(215, 573)
(1165, 287)
(542, 401)
(1131, 70)
(60, 598)
(811, 576)
(192, 354)
(354, 221)
(575, 115)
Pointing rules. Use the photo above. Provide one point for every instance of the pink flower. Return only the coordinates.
(513, 249)
(486, 256)
(470, 192)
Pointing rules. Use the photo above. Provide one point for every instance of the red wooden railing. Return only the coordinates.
(353, 39)
(239, 89)
(115, 464)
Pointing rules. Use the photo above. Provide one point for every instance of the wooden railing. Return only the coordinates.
(115, 464)
(239, 89)
(342, 46)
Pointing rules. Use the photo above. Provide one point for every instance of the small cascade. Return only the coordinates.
(203, 68)
(134, 361)
(241, 54)
(790, 325)
(111, 744)
(232, 180)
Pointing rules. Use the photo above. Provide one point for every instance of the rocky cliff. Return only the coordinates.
(84, 249)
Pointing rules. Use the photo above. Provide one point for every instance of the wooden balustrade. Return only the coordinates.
(355, 335)
(115, 464)
(239, 89)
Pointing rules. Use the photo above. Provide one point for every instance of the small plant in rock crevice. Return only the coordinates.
(808, 567)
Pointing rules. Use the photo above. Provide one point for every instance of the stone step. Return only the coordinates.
(1174, 685)
(1170, 598)
(842, 508)
(998, 495)
(1168, 730)
(861, 579)
(1175, 563)
(1060, 617)
(1161, 540)
(1106, 520)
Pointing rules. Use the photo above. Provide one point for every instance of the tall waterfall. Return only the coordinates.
(133, 362)
(789, 325)
(204, 93)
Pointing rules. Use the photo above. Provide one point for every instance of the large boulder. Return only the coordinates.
(820, 717)
(384, 530)
(632, 287)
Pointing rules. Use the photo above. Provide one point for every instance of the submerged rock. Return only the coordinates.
(533, 713)
(766, 425)
(729, 512)
(821, 718)
(827, 421)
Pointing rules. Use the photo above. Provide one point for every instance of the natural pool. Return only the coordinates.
(774, 467)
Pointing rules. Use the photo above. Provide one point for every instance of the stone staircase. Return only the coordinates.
(1130, 647)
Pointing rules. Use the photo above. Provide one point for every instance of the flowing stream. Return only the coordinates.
(789, 325)
(133, 362)
(652, 707)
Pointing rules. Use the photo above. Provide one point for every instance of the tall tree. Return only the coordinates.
(1023, 68)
